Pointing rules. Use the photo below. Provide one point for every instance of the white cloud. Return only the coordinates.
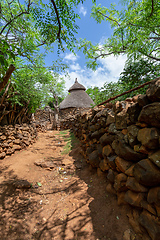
(71, 57)
(83, 10)
(108, 71)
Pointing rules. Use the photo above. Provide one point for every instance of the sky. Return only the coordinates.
(109, 69)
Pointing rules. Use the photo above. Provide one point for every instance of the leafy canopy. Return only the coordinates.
(25, 27)
(136, 31)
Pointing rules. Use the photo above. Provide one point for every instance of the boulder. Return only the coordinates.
(143, 100)
(154, 196)
(107, 150)
(121, 119)
(151, 224)
(153, 92)
(106, 139)
(94, 159)
(134, 198)
(155, 158)
(135, 186)
(126, 152)
(122, 165)
(104, 165)
(120, 182)
(150, 114)
(132, 134)
(147, 173)
(110, 117)
(111, 175)
(133, 113)
(111, 162)
(149, 137)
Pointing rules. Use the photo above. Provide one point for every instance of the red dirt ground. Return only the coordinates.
(67, 201)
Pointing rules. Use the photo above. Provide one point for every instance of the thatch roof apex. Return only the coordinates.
(76, 86)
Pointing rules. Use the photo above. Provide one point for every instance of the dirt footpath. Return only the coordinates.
(47, 193)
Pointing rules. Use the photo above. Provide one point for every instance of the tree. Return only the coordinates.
(135, 31)
(137, 73)
(24, 28)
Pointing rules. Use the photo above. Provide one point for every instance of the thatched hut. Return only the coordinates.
(77, 98)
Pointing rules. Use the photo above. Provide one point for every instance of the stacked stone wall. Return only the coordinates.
(122, 140)
(15, 138)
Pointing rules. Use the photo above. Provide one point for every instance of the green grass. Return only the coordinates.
(70, 140)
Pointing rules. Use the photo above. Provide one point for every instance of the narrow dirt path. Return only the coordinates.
(67, 200)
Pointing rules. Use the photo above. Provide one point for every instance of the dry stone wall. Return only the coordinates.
(122, 140)
(15, 138)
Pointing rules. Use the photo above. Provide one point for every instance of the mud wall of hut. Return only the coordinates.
(123, 142)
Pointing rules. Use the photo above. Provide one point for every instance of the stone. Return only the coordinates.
(151, 224)
(134, 198)
(104, 165)
(10, 151)
(120, 198)
(97, 134)
(124, 131)
(106, 139)
(148, 207)
(111, 162)
(147, 173)
(150, 114)
(129, 235)
(135, 186)
(110, 189)
(17, 141)
(110, 117)
(153, 92)
(143, 100)
(157, 210)
(2, 155)
(94, 158)
(149, 137)
(111, 175)
(134, 222)
(140, 148)
(132, 135)
(16, 147)
(122, 165)
(107, 150)
(21, 184)
(112, 128)
(133, 112)
(121, 119)
(154, 196)
(155, 158)
(45, 164)
(126, 152)
(129, 171)
(120, 182)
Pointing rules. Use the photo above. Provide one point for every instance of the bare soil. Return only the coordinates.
(66, 200)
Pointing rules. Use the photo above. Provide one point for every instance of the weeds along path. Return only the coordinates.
(48, 192)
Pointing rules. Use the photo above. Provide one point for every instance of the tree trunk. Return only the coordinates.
(7, 77)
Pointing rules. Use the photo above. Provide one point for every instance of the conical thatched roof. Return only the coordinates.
(77, 98)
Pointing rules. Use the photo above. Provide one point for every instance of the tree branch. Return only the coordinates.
(124, 93)
(152, 8)
(7, 77)
(58, 19)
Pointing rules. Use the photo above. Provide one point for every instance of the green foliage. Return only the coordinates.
(136, 31)
(24, 28)
(137, 73)
(133, 75)
(30, 85)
